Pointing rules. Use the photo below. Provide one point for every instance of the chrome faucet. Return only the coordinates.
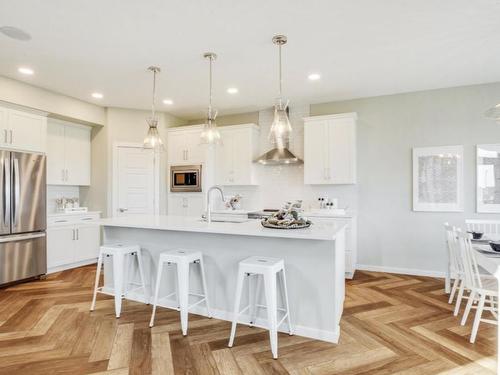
(209, 206)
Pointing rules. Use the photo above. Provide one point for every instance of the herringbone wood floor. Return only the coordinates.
(392, 324)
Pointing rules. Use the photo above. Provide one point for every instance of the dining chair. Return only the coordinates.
(480, 286)
(455, 268)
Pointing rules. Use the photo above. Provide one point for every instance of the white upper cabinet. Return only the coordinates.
(330, 149)
(22, 130)
(68, 154)
(234, 157)
(183, 145)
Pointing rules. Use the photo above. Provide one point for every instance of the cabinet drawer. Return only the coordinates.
(62, 220)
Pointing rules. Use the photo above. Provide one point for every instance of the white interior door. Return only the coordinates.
(135, 181)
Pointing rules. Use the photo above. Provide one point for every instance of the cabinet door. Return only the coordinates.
(176, 148)
(3, 128)
(87, 242)
(315, 143)
(195, 206)
(77, 155)
(55, 154)
(341, 152)
(195, 152)
(60, 246)
(27, 131)
(224, 171)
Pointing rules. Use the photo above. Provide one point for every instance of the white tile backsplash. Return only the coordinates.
(58, 191)
(281, 183)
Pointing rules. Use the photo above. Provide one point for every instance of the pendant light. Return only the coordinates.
(493, 113)
(281, 129)
(153, 139)
(210, 135)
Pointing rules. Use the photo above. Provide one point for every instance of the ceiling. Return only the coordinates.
(360, 48)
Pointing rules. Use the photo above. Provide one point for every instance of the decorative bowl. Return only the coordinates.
(495, 246)
(476, 235)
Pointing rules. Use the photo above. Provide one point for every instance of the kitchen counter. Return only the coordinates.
(321, 231)
(52, 214)
(314, 260)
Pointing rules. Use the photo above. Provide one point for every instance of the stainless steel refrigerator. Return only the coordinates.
(23, 189)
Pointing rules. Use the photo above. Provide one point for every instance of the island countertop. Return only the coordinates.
(323, 231)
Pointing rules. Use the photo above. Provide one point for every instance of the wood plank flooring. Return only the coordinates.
(392, 324)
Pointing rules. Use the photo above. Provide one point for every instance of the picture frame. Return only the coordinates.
(488, 178)
(438, 184)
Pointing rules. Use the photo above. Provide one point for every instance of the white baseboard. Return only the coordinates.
(403, 271)
(71, 265)
(313, 333)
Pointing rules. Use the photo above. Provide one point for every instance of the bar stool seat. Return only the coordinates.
(266, 269)
(182, 258)
(121, 254)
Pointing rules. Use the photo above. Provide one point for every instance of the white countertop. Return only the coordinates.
(72, 213)
(326, 231)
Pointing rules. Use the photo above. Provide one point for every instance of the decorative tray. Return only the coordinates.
(266, 224)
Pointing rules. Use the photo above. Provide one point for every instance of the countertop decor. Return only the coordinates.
(289, 217)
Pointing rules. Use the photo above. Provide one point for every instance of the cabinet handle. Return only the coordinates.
(10, 135)
(87, 218)
(5, 135)
(74, 234)
(62, 174)
(61, 221)
(187, 154)
(77, 234)
(67, 175)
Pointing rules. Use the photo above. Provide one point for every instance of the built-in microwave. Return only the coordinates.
(185, 178)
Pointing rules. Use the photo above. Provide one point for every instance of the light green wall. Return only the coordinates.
(390, 233)
(240, 118)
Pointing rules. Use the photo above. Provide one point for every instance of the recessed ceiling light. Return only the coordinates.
(15, 33)
(27, 71)
(168, 101)
(232, 90)
(97, 95)
(314, 76)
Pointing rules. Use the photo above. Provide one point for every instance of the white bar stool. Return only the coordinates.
(267, 269)
(121, 254)
(182, 258)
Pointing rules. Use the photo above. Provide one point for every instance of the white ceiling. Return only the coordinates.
(360, 48)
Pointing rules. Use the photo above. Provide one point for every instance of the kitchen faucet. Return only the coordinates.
(209, 208)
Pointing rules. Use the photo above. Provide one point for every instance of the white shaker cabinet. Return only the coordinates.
(189, 204)
(183, 145)
(68, 154)
(23, 131)
(234, 157)
(330, 149)
(72, 240)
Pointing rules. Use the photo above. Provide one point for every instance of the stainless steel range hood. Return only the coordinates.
(278, 156)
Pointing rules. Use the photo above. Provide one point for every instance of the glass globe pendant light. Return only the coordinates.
(153, 139)
(281, 129)
(210, 135)
(493, 113)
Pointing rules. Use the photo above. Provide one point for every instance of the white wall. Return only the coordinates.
(391, 235)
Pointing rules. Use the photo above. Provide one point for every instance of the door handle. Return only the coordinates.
(17, 188)
(123, 209)
(6, 191)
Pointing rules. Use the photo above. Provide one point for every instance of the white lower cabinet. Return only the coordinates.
(72, 240)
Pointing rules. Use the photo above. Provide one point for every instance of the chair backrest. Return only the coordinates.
(488, 227)
(472, 276)
(453, 248)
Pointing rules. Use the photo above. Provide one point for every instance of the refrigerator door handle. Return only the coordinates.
(6, 191)
(17, 188)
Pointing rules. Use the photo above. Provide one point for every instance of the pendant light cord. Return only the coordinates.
(280, 79)
(154, 93)
(210, 90)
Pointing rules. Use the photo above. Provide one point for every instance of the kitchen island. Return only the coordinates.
(314, 261)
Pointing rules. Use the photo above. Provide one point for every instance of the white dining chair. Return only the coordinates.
(455, 268)
(479, 286)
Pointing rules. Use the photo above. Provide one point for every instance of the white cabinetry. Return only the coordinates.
(351, 237)
(183, 145)
(330, 149)
(22, 131)
(68, 154)
(234, 157)
(189, 204)
(72, 240)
